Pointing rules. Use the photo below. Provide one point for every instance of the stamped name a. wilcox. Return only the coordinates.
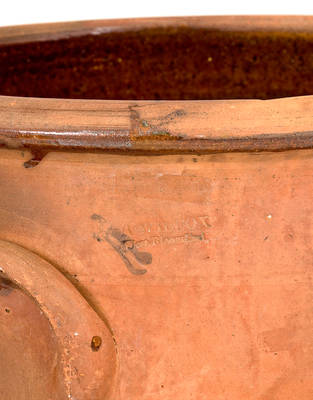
(130, 241)
(181, 230)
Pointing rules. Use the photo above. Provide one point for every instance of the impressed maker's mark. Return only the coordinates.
(133, 238)
(180, 230)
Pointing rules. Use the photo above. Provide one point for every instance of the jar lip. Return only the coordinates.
(156, 127)
(238, 23)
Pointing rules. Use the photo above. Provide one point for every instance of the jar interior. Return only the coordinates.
(169, 63)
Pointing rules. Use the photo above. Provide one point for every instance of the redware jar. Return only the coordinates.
(156, 209)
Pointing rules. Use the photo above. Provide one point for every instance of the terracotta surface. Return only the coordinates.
(156, 249)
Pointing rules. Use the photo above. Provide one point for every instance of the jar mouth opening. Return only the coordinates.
(161, 63)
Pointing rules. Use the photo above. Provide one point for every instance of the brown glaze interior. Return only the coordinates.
(176, 63)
